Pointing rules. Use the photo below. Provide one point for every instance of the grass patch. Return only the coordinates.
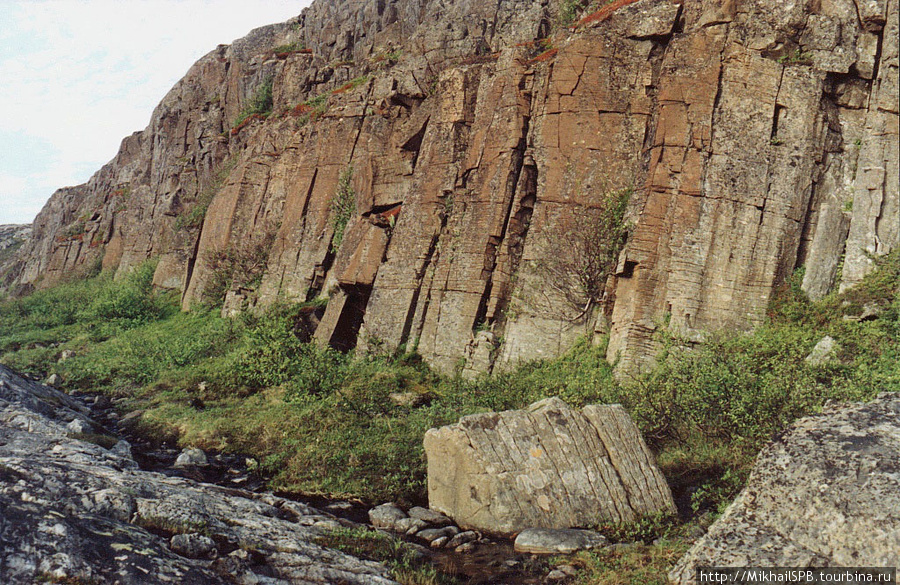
(323, 422)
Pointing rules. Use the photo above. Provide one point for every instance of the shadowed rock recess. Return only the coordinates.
(72, 511)
(826, 494)
(465, 139)
(548, 466)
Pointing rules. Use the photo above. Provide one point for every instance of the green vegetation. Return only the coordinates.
(320, 421)
(193, 215)
(580, 262)
(260, 104)
(239, 265)
(289, 48)
(408, 567)
(343, 206)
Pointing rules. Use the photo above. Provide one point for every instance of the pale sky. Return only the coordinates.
(77, 76)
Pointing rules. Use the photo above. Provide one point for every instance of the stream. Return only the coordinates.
(492, 562)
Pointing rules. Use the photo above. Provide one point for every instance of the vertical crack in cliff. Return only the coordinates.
(494, 241)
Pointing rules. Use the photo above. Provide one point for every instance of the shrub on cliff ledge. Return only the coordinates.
(581, 260)
(260, 104)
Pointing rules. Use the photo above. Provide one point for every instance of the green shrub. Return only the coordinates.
(343, 206)
(259, 104)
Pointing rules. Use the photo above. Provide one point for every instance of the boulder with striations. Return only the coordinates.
(547, 466)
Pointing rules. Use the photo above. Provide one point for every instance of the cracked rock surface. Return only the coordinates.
(547, 466)
(71, 509)
(825, 494)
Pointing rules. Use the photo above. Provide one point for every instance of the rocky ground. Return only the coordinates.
(76, 506)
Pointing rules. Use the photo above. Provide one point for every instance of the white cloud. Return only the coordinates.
(80, 76)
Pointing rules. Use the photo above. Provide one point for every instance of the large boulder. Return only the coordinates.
(548, 466)
(827, 493)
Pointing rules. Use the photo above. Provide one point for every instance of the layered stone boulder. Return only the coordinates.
(547, 466)
(827, 493)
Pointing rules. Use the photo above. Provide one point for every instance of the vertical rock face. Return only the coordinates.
(548, 466)
(757, 137)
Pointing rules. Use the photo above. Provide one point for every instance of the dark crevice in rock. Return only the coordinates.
(346, 331)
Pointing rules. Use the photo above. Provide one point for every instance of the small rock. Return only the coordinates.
(466, 547)
(569, 570)
(131, 419)
(65, 355)
(328, 524)
(545, 541)
(823, 352)
(556, 575)
(439, 542)
(54, 380)
(430, 534)
(79, 427)
(410, 526)
(386, 516)
(193, 546)
(191, 456)
(406, 399)
(430, 516)
(462, 538)
(623, 546)
(338, 507)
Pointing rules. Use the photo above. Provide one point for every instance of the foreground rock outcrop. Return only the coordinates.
(74, 511)
(548, 466)
(827, 493)
(424, 160)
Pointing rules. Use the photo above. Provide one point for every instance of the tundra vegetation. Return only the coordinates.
(320, 421)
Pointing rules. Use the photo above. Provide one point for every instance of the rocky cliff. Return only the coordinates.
(428, 167)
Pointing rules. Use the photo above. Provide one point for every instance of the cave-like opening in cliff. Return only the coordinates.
(346, 331)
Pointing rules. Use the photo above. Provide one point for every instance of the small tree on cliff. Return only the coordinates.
(579, 261)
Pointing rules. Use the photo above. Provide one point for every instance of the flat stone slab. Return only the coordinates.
(547, 466)
(549, 541)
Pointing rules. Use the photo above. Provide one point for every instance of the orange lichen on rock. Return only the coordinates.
(246, 122)
(603, 13)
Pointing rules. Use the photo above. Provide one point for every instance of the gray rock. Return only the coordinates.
(429, 516)
(66, 354)
(826, 493)
(79, 426)
(409, 526)
(545, 466)
(823, 352)
(466, 547)
(53, 380)
(79, 512)
(439, 542)
(193, 545)
(191, 456)
(430, 534)
(406, 399)
(462, 538)
(548, 541)
(386, 516)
